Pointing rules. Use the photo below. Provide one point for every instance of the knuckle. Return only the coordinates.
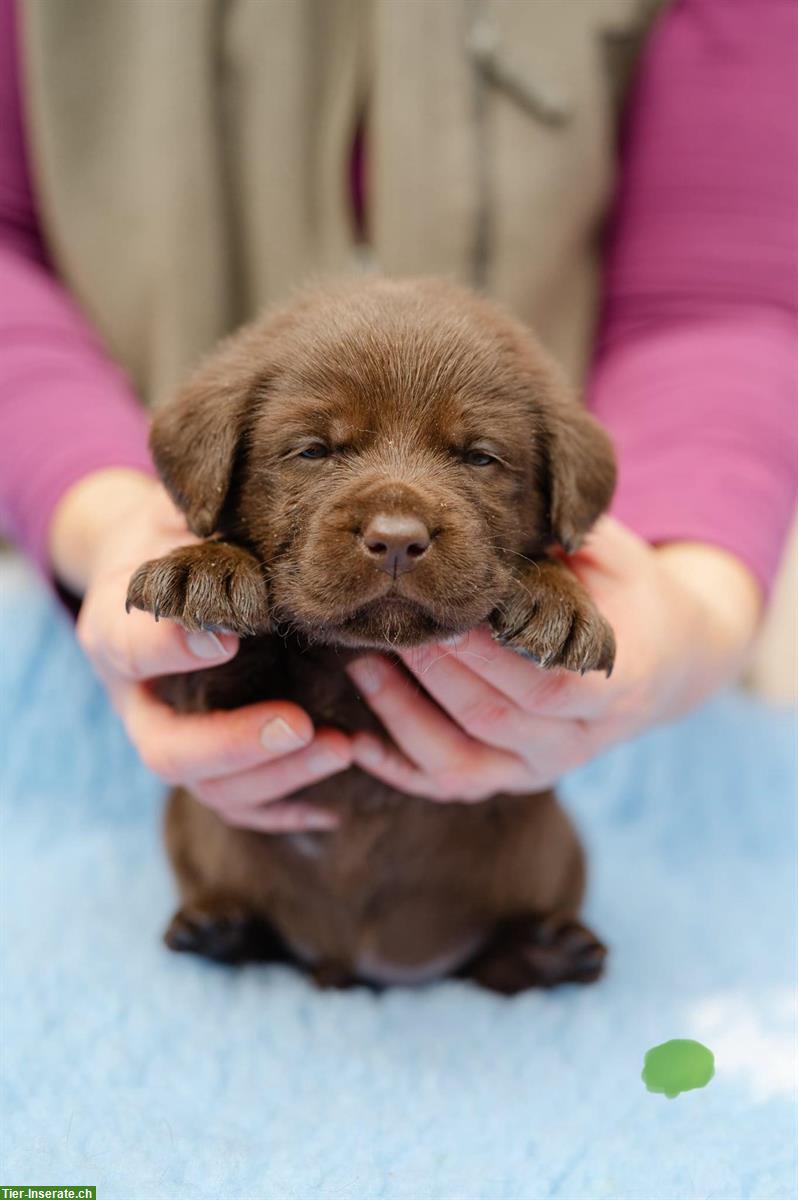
(483, 715)
(546, 690)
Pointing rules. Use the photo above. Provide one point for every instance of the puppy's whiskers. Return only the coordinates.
(506, 550)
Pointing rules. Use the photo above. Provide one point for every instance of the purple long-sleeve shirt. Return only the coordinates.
(695, 371)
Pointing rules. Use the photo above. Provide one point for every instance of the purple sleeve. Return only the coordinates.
(695, 374)
(65, 409)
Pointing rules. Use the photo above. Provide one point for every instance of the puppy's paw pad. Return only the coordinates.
(212, 585)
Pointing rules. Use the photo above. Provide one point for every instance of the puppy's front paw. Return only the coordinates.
(556, 624)
(212, 585)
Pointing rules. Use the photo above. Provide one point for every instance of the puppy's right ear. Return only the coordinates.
(196, 437)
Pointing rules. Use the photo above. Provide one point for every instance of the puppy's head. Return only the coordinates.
(390, 452)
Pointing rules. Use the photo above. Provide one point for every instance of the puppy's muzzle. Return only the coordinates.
(395, 542)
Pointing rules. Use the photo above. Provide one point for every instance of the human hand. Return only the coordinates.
(684, 616)
(240, 763)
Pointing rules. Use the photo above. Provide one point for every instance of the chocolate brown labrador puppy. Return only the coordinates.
(379, 465)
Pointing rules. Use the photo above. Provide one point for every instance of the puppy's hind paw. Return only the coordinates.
(528, 952)
(211, 585)
(225, 933)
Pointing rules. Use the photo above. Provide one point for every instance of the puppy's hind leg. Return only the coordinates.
(537, 939)
(212, 921)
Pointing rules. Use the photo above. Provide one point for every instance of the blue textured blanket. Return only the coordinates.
(153, 1075)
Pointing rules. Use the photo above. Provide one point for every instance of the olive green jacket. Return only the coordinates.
(192, 156)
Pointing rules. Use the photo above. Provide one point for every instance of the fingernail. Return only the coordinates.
(368, 674)
(204, 644)
(279, 738)
(322, 761)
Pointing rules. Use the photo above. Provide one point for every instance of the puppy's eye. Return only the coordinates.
(478, 458)
(315, 450)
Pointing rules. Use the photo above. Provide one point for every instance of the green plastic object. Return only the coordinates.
(677, 1066)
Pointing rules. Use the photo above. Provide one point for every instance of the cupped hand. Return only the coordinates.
(477, 719)
(241, 763)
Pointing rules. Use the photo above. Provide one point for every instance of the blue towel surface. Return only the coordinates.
(155, 1075)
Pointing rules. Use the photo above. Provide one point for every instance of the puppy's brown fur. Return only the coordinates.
(375, 402)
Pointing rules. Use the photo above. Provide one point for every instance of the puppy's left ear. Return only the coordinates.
(197, 438)
(581, 471)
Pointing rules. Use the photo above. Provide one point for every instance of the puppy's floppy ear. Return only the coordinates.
(573, 452)
(196, 438)
(581, 471)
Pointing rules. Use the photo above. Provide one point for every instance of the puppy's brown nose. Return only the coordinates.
(396, 542)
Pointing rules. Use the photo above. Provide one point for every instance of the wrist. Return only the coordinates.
(88, 516)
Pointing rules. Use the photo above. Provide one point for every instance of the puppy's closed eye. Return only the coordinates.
(477, 457)
(315, 451)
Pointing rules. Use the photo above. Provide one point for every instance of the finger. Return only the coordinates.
(527, 752)
(136, 646)
(328, 753)
(183, 747)
(460, 766)
(479, 708)
(553, 693)
(389, 765)
(419, 728)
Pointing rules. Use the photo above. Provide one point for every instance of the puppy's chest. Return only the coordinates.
(317, 681)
